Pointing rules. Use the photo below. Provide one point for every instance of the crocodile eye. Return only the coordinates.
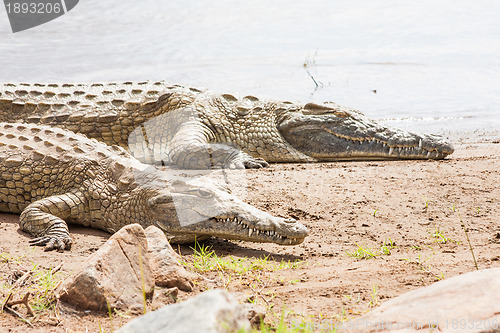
(204, 193)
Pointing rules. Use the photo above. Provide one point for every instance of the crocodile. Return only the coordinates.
(52, 177)
(161, 123)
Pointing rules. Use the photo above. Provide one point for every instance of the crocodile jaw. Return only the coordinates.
(331, 134)
(200, 207)
(275, 230)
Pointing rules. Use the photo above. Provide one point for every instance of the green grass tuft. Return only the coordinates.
(365, 252)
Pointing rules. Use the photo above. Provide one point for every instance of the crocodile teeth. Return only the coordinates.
(420, 143)
(250, 232)
(428, 154)
(391, 150)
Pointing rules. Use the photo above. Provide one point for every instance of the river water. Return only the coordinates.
(428, 66)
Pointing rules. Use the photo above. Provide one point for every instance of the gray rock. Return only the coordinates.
(213, 311)
(464, 303)
(167, 270)
(113, 275)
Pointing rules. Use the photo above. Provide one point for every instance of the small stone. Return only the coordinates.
(255, 313)
(113, 275)
(164, 296)
(165, 265)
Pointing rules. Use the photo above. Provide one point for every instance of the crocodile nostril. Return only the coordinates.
(290, 220)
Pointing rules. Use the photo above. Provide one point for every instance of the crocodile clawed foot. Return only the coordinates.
(52, 243)
(255, 163)
(248, 162)
(245, 161)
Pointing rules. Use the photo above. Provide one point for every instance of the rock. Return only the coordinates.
(113, 275)
(210, 312)
(167, 270)
(164, 296)
(255, 312)
(464, 303)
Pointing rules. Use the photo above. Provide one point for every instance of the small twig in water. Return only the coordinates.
(308, 63)
(312, 77)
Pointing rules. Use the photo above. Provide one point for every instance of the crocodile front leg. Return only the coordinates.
(45, 219)
(192, 149)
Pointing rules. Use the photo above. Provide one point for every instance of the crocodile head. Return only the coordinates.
(328, 132)
(203, 208)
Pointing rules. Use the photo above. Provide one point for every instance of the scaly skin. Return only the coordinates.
(169, 124)
(53, 177)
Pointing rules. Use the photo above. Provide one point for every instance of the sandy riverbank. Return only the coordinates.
(344, 204)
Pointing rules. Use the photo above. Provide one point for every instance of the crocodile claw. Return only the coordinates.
(255, 163)
(245, 161)
(52, 243)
